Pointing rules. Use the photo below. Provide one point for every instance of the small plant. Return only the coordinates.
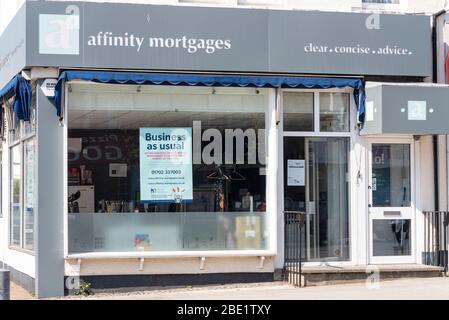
(84, 290)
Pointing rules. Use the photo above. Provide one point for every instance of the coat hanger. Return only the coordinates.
(236, 176)
(218, 174)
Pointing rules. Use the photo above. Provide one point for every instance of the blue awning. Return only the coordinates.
(213, 80)
(21, 90)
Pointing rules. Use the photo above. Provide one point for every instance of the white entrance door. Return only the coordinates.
(391, 201)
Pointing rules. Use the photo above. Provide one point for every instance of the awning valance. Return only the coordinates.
(19, 89)
(213, 80)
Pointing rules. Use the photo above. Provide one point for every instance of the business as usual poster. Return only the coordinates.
(166, 165)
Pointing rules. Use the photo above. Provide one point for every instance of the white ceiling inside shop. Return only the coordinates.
(138, 119)
(98, 106)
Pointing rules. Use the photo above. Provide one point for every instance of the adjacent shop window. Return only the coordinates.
(302, 110)
(22, 175)
(166, 168)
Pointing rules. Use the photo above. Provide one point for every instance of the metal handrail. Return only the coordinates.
(436, 236)
(293, 223)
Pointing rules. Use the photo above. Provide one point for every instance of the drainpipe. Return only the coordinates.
(447, 173)
(435, 80)
(435, 166)
(435, 137)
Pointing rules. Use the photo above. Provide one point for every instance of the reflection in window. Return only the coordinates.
(105, 204)
(334, 112)
(391, 237)
(16, 208)
(28, 226)
(391, 184)
(298, 111)
(315, 171)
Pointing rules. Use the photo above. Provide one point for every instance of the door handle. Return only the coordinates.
(369, 197)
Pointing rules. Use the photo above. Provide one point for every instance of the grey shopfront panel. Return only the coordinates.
(343, 43)
(13, 48)
(406, 109)
(155, 37)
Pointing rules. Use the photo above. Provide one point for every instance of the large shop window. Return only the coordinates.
(22, 180)
(166, 168)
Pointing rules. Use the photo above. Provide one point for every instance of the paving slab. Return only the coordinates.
(19, 293)
(404, 289)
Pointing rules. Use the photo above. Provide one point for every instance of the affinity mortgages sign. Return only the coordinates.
(190, 45)
(60, 34)
(133, 36)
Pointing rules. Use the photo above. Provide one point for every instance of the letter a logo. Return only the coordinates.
(59, 33)
(373, 22)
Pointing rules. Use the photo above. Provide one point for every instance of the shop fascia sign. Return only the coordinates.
(158, 37)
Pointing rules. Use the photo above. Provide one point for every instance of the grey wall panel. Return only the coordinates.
(373, 100)
(50, 201)
(13, 48)
(396, 113)
(409, 109)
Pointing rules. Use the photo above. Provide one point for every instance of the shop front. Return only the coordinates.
(155, 151)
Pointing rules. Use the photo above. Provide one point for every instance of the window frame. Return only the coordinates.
(270, 127)
(316, 114)
(352, 137)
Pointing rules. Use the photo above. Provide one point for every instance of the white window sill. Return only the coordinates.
(174, 254)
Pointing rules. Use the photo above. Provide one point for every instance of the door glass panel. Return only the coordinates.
(391, 182)
(391, 237)
(294, 190)
(315, 181)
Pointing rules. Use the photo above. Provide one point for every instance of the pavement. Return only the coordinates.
(404, 289)
(18, 293)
